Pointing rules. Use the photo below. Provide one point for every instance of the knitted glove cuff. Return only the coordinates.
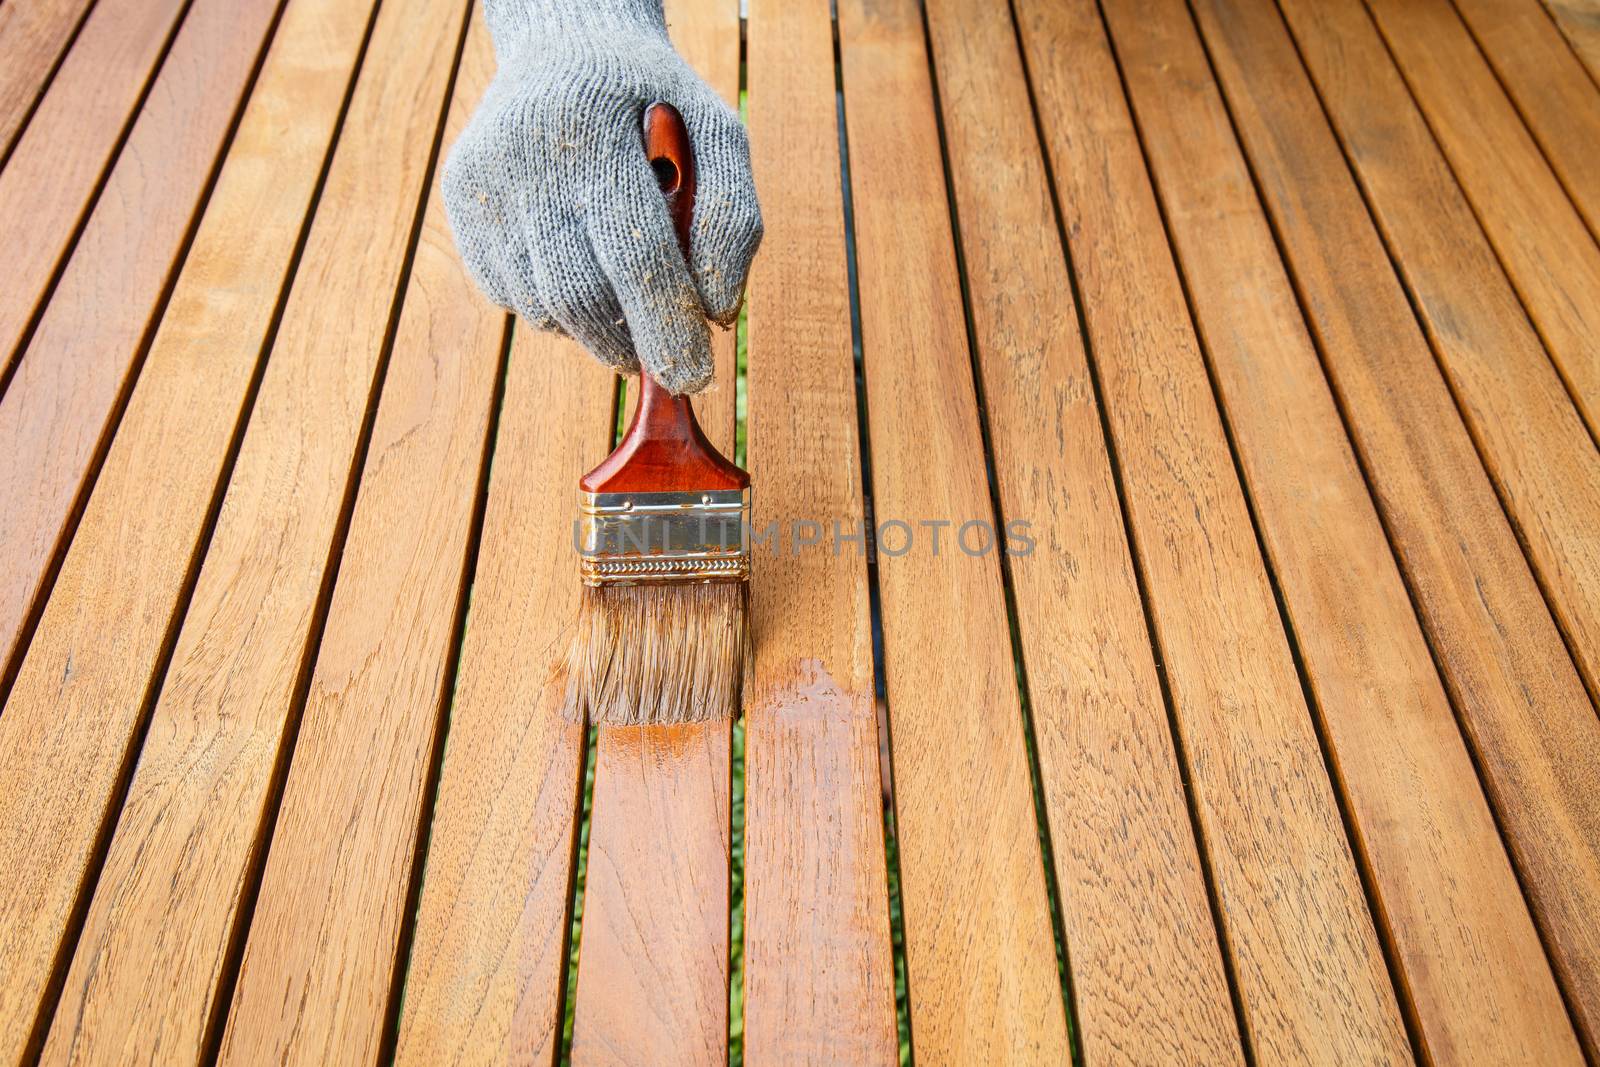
(516, 24)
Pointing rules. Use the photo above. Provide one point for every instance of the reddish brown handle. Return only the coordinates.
(664, 449)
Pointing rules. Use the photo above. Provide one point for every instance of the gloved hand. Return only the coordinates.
(556, 211)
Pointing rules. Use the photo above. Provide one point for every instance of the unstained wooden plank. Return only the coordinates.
(155, 943)
(1548, 253)
(980, 949)
(33, 34)
(55, 168)
(65, 766)
(818, 973)
(1554, 94)
(488, 958)
(1516, 692)
(1579, 21)
(1310, 972)
(1147, 974)
(314, 981)
(1534, 444)
(61, 404)
(1476, 975)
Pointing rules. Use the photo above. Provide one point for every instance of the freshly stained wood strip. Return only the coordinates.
(1310, 973)
(1111, 781)
(818, 973)
(55, 169)
(1516, 693)
(1579, 22)
(653, 965)
(653, 968)
(1534, 443)
(61, 404)
(313, 984)
(488, 959)
(979, 945)
(79, 696)
(155, 942)
(1554, 94)
(1476, 975)
(1550, 256)
(33, 34)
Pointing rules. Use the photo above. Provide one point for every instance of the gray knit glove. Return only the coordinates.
(555, 208)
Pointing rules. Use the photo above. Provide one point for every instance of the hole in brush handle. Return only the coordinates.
(664, 449)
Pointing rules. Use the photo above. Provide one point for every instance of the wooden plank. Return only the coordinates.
(1579, 22)
(54, 172)
(69, 764)
(818, 973)
(1548, 254)
(156, 938)
(33, 35)
(187, 845)
(1553, 93)
(60, 407)
(1310, 974)
(315, 976)
(653, 966)
(488, 959)
(1476, 975)
(1116, 804)
(979, 946)
(1535, 445)
(1515, 690)
(653, 963)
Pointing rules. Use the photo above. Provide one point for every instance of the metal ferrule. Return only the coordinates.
(643, 538)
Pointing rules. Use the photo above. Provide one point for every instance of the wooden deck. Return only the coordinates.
(1277, 324)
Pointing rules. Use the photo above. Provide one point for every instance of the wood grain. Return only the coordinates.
(1534, 444)
(979, 945)
(1475, 974)
(33, 35)
(818, 973)
(1147, 975)
(1310, 974)
(314, 980)
(155, 942)
(1579, 22)
(80, 695)
(1555, 96)
(653, 964)
(60, 407)
(1548, 254)
(54, 172)
(1516, 693)
(488, 959)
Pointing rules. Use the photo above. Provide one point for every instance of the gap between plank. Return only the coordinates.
(891, 841)
(1346, 419)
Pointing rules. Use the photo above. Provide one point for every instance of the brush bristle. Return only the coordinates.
(658, 654)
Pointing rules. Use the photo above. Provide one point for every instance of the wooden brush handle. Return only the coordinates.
(664, 449)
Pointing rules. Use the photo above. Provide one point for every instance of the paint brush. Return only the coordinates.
(663, 540)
